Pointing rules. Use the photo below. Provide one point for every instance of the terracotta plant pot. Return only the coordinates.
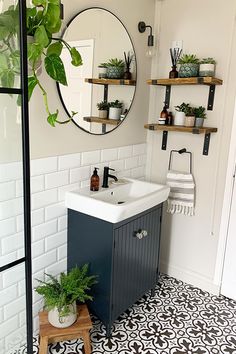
(102, 113)
(62, 321)
(189, 121)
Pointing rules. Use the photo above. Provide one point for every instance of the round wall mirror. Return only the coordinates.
(102, 90)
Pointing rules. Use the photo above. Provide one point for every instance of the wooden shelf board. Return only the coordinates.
(111, 82)
(186, 81)
(176, 128)
(102, 120)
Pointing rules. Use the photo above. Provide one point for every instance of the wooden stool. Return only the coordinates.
(80, 329)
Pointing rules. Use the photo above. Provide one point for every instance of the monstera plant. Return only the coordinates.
(43, 22)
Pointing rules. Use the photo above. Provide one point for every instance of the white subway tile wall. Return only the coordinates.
(51, 178)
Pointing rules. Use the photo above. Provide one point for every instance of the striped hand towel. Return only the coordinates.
(182, 193)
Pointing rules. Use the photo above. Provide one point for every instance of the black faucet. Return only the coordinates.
(106, 175)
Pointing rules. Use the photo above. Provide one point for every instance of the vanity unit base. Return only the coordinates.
(125, 256)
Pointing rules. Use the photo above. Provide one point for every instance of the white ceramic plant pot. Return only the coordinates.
(189, 121)
(114, 113)
(102, 73)
(207, 70)
(102, 113)
(179, 118)
(64, 321)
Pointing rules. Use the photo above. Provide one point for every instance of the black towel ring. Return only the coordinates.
(182, 151)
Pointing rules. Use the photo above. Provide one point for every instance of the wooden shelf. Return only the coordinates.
(111, 82)
(209, 81)
(175, 128)
(186, 81)
(102, 120)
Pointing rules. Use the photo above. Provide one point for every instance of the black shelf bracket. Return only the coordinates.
(105, 94)
(211, 97)
(164, 140)
(167, 97)
(104, 129)
(206, 144)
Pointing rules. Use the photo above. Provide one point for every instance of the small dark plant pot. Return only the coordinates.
(199, 122)
(115, 73)
(188, 70)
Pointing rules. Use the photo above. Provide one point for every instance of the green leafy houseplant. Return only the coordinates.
(200, 112)
(186, 108)
(189, 65)
(115, 68)
(70, 287)
(116, 104)
(207, 61)
(102, 106)
(42, 21)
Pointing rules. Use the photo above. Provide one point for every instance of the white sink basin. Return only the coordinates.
(119, 201)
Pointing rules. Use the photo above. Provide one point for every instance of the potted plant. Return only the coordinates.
(103, 107)
(189, 65)
(200, 115)
(115, 109)
(42, 21)
(115, 68)
(102, 71)
(207, 67)
(179, 118)
(60, 295)
(128, 60)
(189, 116)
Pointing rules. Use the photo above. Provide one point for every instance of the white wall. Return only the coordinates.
(189, 244)
(48, 141)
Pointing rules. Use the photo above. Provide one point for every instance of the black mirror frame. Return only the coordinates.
(57, 84)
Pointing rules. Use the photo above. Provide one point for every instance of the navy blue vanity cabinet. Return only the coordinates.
(125, 256)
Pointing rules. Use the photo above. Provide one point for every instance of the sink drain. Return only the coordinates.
(120, 202)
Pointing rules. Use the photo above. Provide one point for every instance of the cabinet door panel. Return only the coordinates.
(135, 260)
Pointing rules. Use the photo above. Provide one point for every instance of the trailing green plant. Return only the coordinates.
(42, 21)
(188, 59)
(207, 61)
(200, 112)
(186, 108)
(70, 287)
(118, 63)
(116, 104)
(102, 106)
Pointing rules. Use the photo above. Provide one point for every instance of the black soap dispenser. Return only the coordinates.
(94, 181)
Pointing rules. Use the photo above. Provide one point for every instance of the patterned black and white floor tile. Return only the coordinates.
(178, 319)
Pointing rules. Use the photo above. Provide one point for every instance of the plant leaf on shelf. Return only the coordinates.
(55, 68)
(32, 82)
(7, 78)
(35, 51)
(39, 2)
(41, 36)
(52, 18)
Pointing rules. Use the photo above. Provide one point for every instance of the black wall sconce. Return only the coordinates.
(142, 28)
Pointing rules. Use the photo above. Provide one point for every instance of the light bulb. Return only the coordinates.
(150, 52)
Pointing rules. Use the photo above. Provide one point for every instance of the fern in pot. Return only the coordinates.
(207, 67)
(60, 295)
(189, 65)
